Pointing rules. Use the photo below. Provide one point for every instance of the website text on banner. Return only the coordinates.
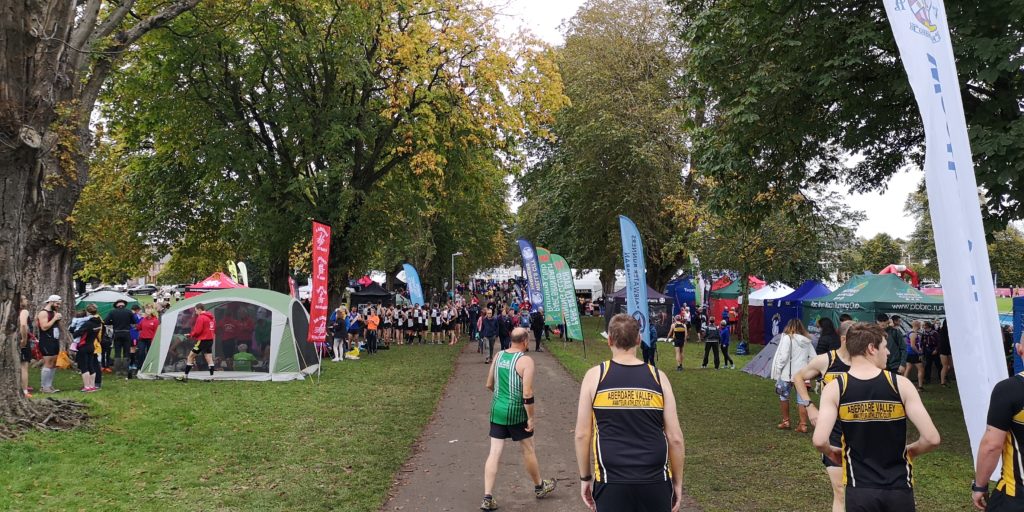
(636, 276)
(567, 292)
(552, 297)
(412, 281)
(532, 269)
(318, 296)
(922, 33)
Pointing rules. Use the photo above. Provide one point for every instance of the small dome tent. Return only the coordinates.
(271, 326)
(104, 301)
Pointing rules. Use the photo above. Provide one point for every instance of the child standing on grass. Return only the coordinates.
(723, 334)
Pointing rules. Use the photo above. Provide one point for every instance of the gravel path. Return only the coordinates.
(446, 471)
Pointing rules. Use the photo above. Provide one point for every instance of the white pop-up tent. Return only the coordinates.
(260, 335)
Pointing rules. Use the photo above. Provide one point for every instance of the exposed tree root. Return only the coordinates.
(47, 415)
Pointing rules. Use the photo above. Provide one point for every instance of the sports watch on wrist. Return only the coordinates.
(586, 478)
(979, 488)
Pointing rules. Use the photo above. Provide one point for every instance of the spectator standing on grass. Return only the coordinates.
(795, 351)
(372, 325)
(25, 339)
(928, 340)
(913, 340)
(828, 338)
(83, 343)
(724, 333)
(120, 319)
(48, 322)
(897, 348)
(629, 446)
(712, 341)
(650, 352)
(945, 354)
(147, 331)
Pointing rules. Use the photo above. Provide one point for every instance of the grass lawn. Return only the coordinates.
(233, 445)
(737, 460)
(1004, 304)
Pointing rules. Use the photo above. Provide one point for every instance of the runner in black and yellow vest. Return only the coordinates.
(1003, 436)
(826, 367)
(511, 380)
(873, 406)
(629, 446)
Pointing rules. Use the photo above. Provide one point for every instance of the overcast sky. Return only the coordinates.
(884, 211)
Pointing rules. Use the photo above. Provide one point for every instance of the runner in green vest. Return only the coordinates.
(511, 380)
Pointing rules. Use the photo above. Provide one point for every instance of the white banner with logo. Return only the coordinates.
(922, 34)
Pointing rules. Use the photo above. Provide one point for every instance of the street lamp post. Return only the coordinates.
(451, 284)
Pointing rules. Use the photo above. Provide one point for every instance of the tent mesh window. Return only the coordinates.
(300, 329)
(241, 341)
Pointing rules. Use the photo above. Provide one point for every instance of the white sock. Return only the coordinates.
(46, 378)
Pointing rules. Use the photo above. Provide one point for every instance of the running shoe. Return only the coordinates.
(489, 504)
(546, 486)
(28, 393)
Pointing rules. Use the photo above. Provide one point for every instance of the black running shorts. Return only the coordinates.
(998, 501)
(26, 354)
(515, 432)
(49, 347)
(203, 347)
(633, 497)
(859, 499)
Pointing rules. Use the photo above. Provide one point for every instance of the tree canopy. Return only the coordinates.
(396, 122)
(792, 89)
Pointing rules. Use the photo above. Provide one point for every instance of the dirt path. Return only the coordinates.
(446, 472)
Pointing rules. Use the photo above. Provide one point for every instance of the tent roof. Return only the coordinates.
(810, 289)
(733, 290)
(721, 282)
(107, 296)
(873, 291)
(373, 290)
(772, 291)
(652, 294)
(216, 281)
(269, 298)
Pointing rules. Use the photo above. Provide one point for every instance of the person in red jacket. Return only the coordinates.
(202, 332)
(147, 331)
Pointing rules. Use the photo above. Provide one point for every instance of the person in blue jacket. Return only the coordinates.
(723, 334)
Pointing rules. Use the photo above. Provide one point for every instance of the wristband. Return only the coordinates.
(979, 488)
(801, 401)
(586, 478)
(528, 401)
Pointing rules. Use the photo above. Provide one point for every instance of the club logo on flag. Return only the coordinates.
(925, 17)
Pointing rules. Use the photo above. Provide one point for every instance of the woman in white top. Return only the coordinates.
(795, 350)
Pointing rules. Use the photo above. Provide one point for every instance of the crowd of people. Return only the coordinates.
(118, 342)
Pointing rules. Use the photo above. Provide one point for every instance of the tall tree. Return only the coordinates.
(57, 55)
(782, 97)
(287, 111)
(921, 244)
(880, 251)
(620, 147)
(1005, 251)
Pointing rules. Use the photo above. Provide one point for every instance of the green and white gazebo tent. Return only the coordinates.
(104, 301)
(864, 296)
(273, 327)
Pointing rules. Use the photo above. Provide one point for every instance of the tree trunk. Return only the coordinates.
(744, 333)
(607, 278)
(49, 82)
(277, 275)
